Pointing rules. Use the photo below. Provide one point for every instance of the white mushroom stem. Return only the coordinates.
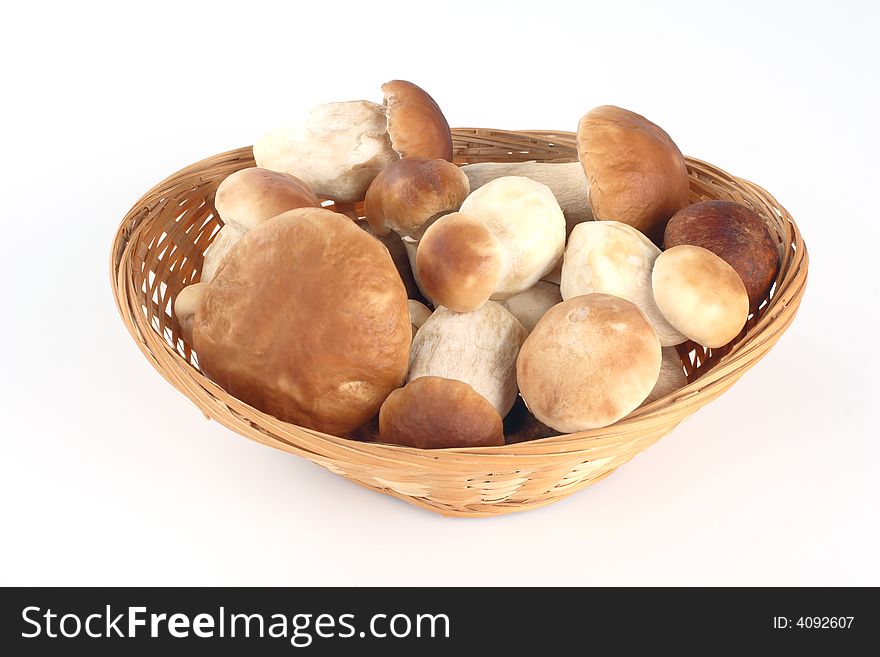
(567, 182)
(478, 348)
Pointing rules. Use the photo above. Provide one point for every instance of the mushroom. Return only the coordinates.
(306, 320)
(637, 174)
(507, 235)
(185, 304)
(478, 348)
(418, 314)
(700, 295)
(219, 247)
(433, 412)
(338, 148)
(590, 361)
(531, 305)
(614, 258)
(672, 376)
(416, 125)
(566, 180)
(247, 198)
(629, 170)
(408, 194)
(734, 233)
(400, 256)
(461, 381)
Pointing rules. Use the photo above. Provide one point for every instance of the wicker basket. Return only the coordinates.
(158, 250)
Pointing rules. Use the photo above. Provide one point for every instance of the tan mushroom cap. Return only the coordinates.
(636, 173)
(700, 295)
(253, 195)
(307, 320)
(432, 412)
(407, 193)
(613, 258)
(185, 305)
(459, 262)
(590, 361)
(416, 125)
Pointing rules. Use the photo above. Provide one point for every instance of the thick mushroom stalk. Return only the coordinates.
(477, 348)
(567, 181)
(629, 170)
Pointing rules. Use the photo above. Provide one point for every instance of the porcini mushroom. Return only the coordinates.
(478, 348)
(614, 258)
(734, 233)
(566, 180)
(508, 234)
(629, 170)
(185, 305)
(415, 123)
(337, 149)
(433, 412)
(418, 314)
(700, 295)
(247, 198)
(671, 378)
(408, 193)
(307, 320)
(589, 362)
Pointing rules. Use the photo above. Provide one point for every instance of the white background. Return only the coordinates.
(110, 476)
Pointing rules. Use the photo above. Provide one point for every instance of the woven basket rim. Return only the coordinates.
(789, 289)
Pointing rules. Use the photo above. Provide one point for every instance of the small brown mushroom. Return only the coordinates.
(408, 193)
(432, 412)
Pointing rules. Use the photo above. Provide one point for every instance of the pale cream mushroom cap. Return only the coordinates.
(337, 149)
(613, 258)
(185, 305)
(700, 295)
(526, 219)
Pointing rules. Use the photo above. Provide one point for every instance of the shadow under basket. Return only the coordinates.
(158, 250)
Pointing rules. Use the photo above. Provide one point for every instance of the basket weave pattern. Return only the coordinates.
(158, 250)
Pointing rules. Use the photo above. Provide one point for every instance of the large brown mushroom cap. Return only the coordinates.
(416, 125)
(433, 412)
(735, 234)
(307, 320)
(589, 362)
(408, 192)
(636, 173)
